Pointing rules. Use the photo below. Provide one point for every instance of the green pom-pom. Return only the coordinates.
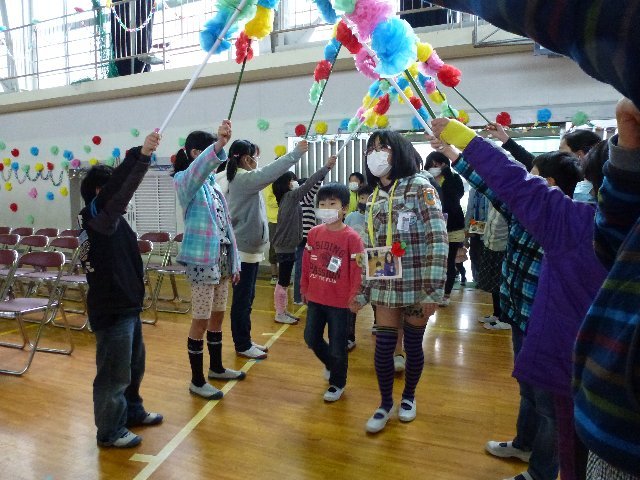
(87, 149)
(65, 164)
(580, 118)
(30, 220)
(263, 125)
(403, 245)
(316, 90)
(135, 132)
(384, 86)
(3, 145)
(25, 168)
(54, 150)
(346, 6)
(353, 124)
(247, 12)
(110, 162)
(182, 141)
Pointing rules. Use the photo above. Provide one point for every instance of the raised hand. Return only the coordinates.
(331, 162)
(451, 152)
(302, 146)
(151, 143)
(497, 131)
(224, 134)
(438, 125)
(628, 117)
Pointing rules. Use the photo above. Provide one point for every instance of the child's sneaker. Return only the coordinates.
(351, 344)
(228, 374)
(507, 450)
(445, 301)
(378, 420)
(274, 280)
(399, 363)
(150, 418)
(207, 391)
(333, 394)
(284, 318)
(127, 440)
(291, 315)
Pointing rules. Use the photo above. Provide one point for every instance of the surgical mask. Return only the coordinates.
(294, 184)
(354, 186)
(435, 171)
(327, 215)
(582, 193)
(378, 163)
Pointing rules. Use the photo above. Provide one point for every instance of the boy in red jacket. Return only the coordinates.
(331, 277)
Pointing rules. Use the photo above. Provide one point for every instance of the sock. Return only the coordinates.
(214, 343)
(386, 339)
(415, 359)
(195, 349)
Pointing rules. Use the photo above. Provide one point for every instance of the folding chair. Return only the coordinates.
(23, 231)
(70, 233)
(8, 240)
(5, 230)
(30, 243)
(8, 262)
(71, 278)
(161, 250)
(17, 308)
(47, 232)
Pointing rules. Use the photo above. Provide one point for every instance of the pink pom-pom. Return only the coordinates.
(383, 105)
(366, 65)
(360, 113)
(368, 14)
(449, 76)
(322, 71)
(430, 85)
(434, 64)
(75, 163)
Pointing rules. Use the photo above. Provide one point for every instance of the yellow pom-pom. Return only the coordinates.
(463, 116)
(280, 150)
(38, 167)
(382, 122)
(437, 97)
(93, 162)
(261, 25)
(366, 101)
(371, 118)
(424, 51)
(322, 128)
(64, 191)
(7, 162)
(413, 70)
(8, 187)
(335, 30)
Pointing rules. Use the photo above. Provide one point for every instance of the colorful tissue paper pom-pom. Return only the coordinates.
(366, 65)
(346, 37)
(243, 48)
(367, 14)
(75, 163)
(261, 25)
(371, 119)
(374, 89)
(366, 100)
(360, 112)
(50, 196)
(322, 70)
(68, 154)
(402, 82)
(463, 116)
(416, 102)
(64, 164)
(13, 207)
(26, 168)
(30, 219)
(424, 113)
(300, 130)
(416, 124)
(437, 97)
(504, 119)
(15, 166)
(93, 162)
(1, 167)
(8, 186)
(268, 3)
(395, 45)
(33, 193)
(110, 162)
(331, 50)
(353, 124)
(383, 105)
(430, 85)
(280, 150)
(64, 191)
(212, 30)
(434, 64)
(6, 162)
(346, 6)
(97, 140)
(2, 145)
(424, 51)
(50, 166)
(15, 152)
(544, 115)
(322, 128)
(54, 150)
(87, 149)
(38, 167)
(34, 151)
(228, 7)
(449, 76)
(326, 10)
(263, 125)
(382, 122)
(315, 91)
(115, 153)
(580, 118)
(413, 70)
(344, 125)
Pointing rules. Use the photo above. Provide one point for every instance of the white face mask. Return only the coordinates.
(354, 186)
(327, 215)
(294, 184)
(435, 171)
(378, 163)
(582, 193)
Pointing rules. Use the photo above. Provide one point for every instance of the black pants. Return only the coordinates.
(451, 266)
(475, 253)
(286, 261)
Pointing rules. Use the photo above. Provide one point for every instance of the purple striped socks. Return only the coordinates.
(415, 359)
(386, 338)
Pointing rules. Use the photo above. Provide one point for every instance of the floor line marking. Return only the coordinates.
(155, 461)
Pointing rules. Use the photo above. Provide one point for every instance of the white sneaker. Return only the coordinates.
(128, 439)
(333, 394)
(506, 450)
(488, 319)
(228, 374)
(497, 326)
(264, 348)
(274, 280)
(207, 391)
(291, 315)
(444, 302)
(253, 352)
(399, 363)
(521, 476)
(378, 420)
(351, 344)
(284, 318)
(407, 414)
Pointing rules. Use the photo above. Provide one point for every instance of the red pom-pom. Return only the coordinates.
(14, 207)
(416, 102)
(300, 130)
(96, 140)
(323, 70)
(1, 167)
(15, 152)
(383, 105)
(50, 166)
(173, 159)
(243, 48)
(449, 75)
(397, 250)
(346, 37)
(504, 119)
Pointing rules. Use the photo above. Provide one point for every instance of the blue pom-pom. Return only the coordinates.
(374, 89)
(403, 83)
(331, 50)
(326, 10)
(424, 113)
(15, 166)
(395, 44)
(34, 151)
(344, 124)
(416, 125)
(115, 153)
(50, 196)
(422, 78)
(212, 30)
(544, 115)
(272, 4)
(68, 154)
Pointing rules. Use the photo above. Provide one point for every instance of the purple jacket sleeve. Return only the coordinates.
(555, 220)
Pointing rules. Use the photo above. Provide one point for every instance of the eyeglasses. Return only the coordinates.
(376, 148)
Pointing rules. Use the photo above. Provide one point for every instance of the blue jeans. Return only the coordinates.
(332, 354)
(243, 295)
(120, 360)
(297, 296)
(536, 425)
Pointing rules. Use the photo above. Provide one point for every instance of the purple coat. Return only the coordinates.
(570, 273)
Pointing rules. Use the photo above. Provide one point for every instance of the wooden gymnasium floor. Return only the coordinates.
(274, 424)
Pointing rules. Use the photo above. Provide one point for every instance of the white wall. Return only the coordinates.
(519, 83)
